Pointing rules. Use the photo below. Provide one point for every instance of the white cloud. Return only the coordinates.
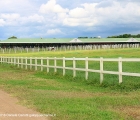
(10, 19)
(54, 31)
(33, 19)
(12, 16)
(2, 22)
(36, 18)
(82, 16)
(78, 13)
(76, 17)
(80, 22)
(53, 7)
(17, 20)
(16, 6)
(93, 14)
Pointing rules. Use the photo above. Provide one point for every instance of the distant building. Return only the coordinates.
(75, 40)
(132, 40)
(51, 42)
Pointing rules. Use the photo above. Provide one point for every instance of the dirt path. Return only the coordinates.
(9, 106)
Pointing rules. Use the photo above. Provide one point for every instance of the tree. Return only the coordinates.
(13, 37)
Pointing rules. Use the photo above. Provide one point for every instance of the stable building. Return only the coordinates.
(58, 42)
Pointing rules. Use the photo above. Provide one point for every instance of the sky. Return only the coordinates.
(68, 18)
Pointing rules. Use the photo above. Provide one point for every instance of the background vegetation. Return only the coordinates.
(125, 36)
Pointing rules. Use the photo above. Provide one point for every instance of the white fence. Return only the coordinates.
(29, 62)
(67, 48)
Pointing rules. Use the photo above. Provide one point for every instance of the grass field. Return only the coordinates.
(74, 98)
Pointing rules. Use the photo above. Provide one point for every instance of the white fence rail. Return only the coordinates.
(30, 62)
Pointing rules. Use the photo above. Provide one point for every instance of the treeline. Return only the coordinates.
(88, 37)
(125, 36)
(83, 37)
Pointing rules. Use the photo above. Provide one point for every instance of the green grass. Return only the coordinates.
(75, 98)
(108, 53)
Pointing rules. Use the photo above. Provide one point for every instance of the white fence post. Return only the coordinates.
(21, 62)
(2, 59)
(30, 63)
(14, 60)
(74, 66)
(55, 64)
(64, 64)
(18, 62)
(27, 50)
(101, 70)
(86, 66)
(26, 62)
(11, 60)
(41, 63)
(15, 50)
(120, 69)
(8, 60)
(5, 59)
(35, 63)
(47, 64)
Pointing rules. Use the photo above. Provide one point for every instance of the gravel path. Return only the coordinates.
(9, 106)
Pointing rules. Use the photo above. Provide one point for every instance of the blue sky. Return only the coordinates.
(68, 19)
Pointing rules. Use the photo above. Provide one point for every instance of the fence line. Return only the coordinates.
(67, 48)
(40, 62)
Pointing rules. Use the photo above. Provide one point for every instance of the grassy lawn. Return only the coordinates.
(107, 53)
(75, 98)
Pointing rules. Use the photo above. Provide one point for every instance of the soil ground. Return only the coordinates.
(11, 110)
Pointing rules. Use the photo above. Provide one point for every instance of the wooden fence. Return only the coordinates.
(29, 62)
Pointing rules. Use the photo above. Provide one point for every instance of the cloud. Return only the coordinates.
(16, 6)
(12, 16)
(83, 17)
(33, 19)
(52, 7)
(78, 13)
(109, 12)
(54, 31)
(2, 22)
(10, 19)
(91, 14)
(17, 20)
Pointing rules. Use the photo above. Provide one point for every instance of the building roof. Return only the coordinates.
(67, 40)
(132, 40)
